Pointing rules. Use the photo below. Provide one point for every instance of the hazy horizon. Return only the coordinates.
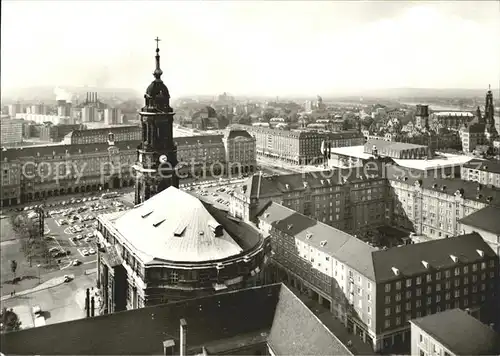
(252, 48)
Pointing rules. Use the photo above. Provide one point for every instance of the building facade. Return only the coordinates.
(451, 333)
(101, 135)
(240, 151)
(113, 116)
(298, 146)
(486, 172)
(90, 114)
(434, 206)
(204, 155)
(11, 131)
(346, 199)
(377, 292)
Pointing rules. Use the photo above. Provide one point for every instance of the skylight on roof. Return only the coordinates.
(146, 214)
(179, 231)
(158, 223)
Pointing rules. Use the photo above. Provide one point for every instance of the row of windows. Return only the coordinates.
(457, 271)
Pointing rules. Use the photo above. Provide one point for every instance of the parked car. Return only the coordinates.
(91, 251)
(85, 252)
(76, 262)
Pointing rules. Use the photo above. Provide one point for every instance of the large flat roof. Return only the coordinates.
(441, 160)
(351, 151)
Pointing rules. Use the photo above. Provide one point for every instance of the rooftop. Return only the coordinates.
(341, 245)
(460, 333)
(485, 219)
(453, 113)
(441, 160)
(198, 140)
(375, 264)
(437, 254)
(184, 231)
(352, 151)
(492, 166)
(383, 145)
(469, 190)
(269, 310)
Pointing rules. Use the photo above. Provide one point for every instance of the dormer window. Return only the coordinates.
(308, 235)
(426, 264)
(290, 226)
(480, 253)
(454, 258)
(395, 271)
(323, 243)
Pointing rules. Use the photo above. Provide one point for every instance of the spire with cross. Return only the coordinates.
(158, 72)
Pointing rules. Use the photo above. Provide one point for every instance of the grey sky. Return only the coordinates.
(246, 47)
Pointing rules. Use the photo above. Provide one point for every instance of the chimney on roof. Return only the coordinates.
(183, 336)
(169, 347)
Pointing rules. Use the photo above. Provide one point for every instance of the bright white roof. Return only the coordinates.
(453, 113)
(174, 226)
(442, 160)
(351, 151)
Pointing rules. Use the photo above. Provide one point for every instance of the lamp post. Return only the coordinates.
(39, 265)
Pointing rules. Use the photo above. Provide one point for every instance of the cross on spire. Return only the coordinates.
(157, 42)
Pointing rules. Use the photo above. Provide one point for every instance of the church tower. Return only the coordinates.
(489, 117)
(157, 153)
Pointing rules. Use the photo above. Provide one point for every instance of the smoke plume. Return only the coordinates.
(62, 94)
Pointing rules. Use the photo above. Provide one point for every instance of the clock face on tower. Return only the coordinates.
(163, 159)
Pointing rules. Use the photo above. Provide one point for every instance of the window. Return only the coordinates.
(388, 299)
(369, 286)
(448, 296)
(408, 306)
(429, 289)
(398, 309)
(369, 309)
(447, 274)
(474, 267)
(438, 276)
(483, 265)
(421, 338)
(387, 287)
(408, 294)
(398, 320)
(387, 324)
(457, 271)
(419, 292)
(447, 285)
(387, 311)
(438, 298)
(418, 304)
(428, 278)
(408, 283)
(419, 280)
(466, 269)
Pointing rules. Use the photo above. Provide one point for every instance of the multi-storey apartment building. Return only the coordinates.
(377, 292)
(486, 172)
(299, 146)
(101, 135)
(452, 120)
(451, 333)
(11, 131)
(40, 118)
(433, 206)
(205, 155)
(55, 133)
(240, 149)
(348, 199)
(40, 172)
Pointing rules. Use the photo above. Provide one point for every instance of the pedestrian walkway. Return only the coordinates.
(53, 282)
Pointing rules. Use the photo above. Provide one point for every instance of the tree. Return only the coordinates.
(13, 268)
(9, 321)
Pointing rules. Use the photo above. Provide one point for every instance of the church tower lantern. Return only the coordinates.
(157, 153)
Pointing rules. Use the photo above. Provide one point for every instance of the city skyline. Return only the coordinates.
(252, 48)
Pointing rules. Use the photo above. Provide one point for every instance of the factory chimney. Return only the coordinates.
(183, 336)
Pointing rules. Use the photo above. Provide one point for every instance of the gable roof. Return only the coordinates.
(266, 310)
(485, 219)
(341, 245)
(492, 166)
(181, 232)
(437, 253)
(297, 331)
(460, 333)
(434, 181)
